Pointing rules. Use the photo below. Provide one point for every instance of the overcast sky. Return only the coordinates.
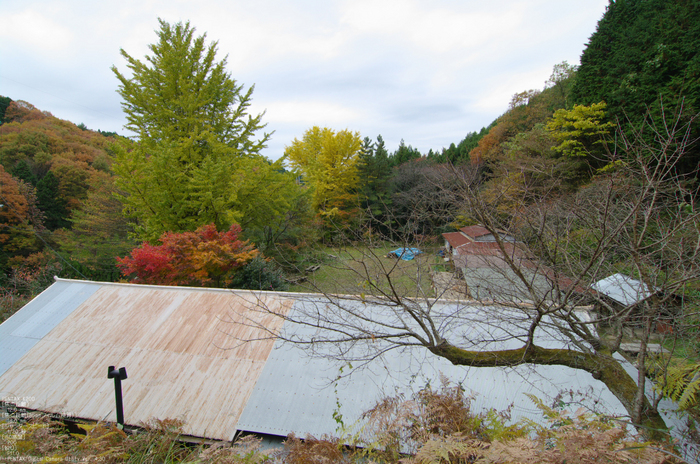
(424, 71)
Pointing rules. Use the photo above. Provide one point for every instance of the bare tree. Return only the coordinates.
(639, 218)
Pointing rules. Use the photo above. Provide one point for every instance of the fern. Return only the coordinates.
(682, 384)
(495, 426)
(555, 417)
(449, 450)
(547, 411)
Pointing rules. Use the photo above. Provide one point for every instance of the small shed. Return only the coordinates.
(625, 292)
(623, 289)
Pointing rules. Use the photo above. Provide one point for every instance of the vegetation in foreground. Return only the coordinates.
(433, 426)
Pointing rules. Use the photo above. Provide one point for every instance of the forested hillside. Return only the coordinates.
(58, 212)
(595, 174)
(80, 198)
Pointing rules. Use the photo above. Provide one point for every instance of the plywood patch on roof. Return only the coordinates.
(180, 348)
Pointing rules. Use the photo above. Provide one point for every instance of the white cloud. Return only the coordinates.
(427, 71)
(504, 86)
(259, 34)
(34, 31)
(309, 113)
(432, 26)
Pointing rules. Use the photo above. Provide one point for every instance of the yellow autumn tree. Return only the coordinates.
(577, 130)
(328, 163)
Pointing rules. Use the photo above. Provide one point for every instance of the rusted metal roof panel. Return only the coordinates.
(475, 232)
(179, 348)
(456, 239)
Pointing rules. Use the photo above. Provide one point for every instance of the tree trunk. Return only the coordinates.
(603, 367)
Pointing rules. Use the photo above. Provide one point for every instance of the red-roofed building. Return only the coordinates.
(454, 241)
(475, 232)
(487, 268)
(484, 254)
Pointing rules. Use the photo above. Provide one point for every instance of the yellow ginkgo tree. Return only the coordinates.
(328, 162)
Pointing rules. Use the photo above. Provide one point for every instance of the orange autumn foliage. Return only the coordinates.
(19, 216)
(204, 257)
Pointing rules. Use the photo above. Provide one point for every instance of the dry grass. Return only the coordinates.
(438, 422)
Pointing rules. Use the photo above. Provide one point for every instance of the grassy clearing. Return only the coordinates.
(363, 270)
(687, 349)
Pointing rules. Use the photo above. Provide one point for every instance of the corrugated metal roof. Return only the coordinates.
(623, 289)
(475, 231)
(456, 239)
(179, 348)
(25, 328)
(178, 345)
(297, 393)
(490, 249)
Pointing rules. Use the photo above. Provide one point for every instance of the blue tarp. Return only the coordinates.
(406, 254)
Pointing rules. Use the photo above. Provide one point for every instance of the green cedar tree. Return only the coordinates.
(51, 203)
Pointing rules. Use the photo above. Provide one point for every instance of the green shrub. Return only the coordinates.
(260, 274)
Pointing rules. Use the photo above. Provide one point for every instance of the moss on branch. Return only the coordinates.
(602, 366)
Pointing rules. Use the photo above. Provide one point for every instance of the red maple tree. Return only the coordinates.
(205, 257)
